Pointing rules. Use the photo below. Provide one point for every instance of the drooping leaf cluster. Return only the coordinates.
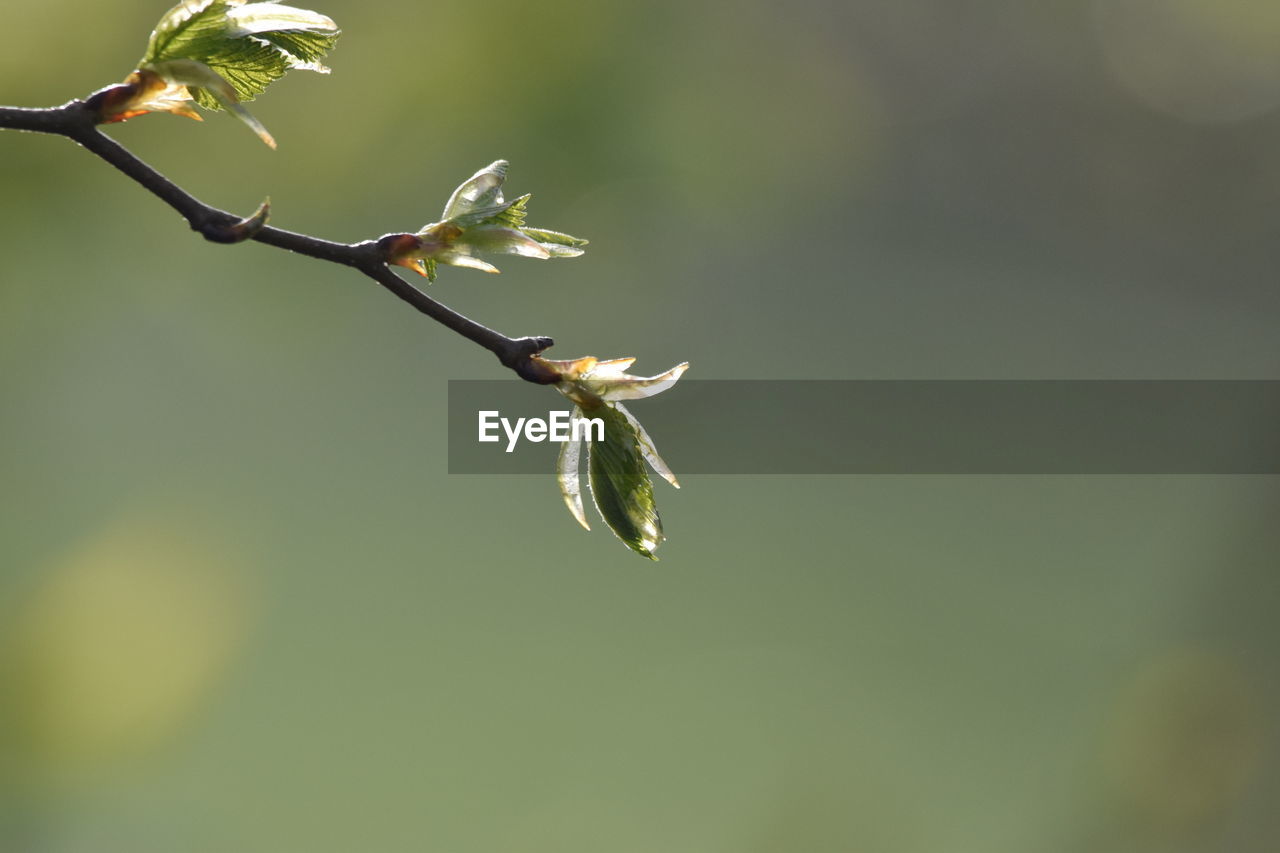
(616, 465)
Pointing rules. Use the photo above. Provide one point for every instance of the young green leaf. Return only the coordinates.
(483, 190)
(205, 83)
(620, 485)
(555, 244)
(647, 449)
(477, 219)
(218, 53)
(250, 44)
(567, 477)
(186, 31)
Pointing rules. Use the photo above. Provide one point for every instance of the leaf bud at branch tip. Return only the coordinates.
(478, 220)
(620, 484)
(523, 359)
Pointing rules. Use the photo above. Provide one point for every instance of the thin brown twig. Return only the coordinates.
(78, 120)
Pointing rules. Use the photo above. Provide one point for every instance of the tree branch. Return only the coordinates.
(78, 120)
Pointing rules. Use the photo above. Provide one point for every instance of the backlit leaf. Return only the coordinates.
(477, 219)
(647, 448)
(567, 476)
(481, 190)
(620, 484)
(227, 51)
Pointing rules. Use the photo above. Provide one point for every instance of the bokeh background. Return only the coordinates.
(244, 608)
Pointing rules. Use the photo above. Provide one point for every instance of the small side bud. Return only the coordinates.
(238, 232)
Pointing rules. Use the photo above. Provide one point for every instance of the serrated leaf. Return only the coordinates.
(197, 77)
(556, 244)
(620, 485)
(262, 18)
(248, 46)
(513, 214)
(542, 235)
(190, 22)
(307, 49)
(510, 214)
(503, 241)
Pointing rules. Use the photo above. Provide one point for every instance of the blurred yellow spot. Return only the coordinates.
(118, 645)
(1183, 743)
(1198, 60)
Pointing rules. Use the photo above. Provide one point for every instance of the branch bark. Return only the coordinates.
(78, 120)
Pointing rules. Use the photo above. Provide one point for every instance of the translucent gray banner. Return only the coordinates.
(906, 427)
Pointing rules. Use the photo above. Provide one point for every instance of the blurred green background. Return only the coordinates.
(243, 607)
